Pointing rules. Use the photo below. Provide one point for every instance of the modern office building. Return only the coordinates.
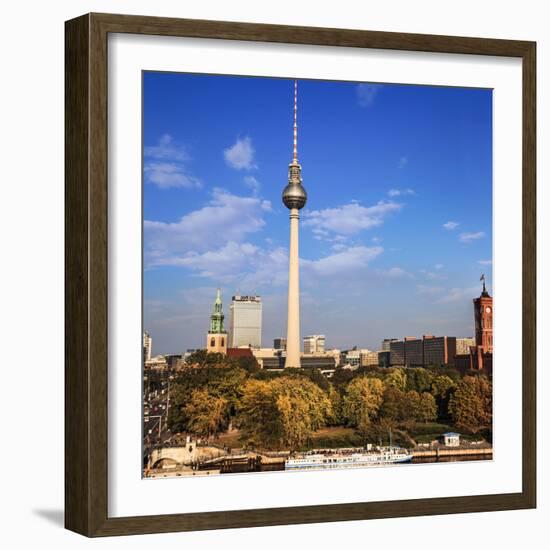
(314, 344)
(279, 343)
(263, 354)
(384, 359)
(423, 352)
(147, 346)
(397, 353)
(323, 362)
(337, 354)
(245, 326)
(386, 342)
(414, 352)
(439, 350)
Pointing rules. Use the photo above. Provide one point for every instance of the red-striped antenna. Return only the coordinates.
(295, 156)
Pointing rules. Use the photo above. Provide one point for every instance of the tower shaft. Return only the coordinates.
(293, 322)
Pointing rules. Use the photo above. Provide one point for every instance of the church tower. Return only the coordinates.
(216, 339)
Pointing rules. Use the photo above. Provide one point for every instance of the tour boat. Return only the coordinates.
(338, 459)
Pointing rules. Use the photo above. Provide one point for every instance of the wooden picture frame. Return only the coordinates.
(86, 283)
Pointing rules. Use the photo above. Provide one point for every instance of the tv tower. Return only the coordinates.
(294, 198)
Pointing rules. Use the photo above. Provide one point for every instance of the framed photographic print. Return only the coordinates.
(284, 251)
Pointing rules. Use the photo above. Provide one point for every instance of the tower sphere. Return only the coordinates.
(294, 196)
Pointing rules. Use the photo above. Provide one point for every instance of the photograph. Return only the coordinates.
(317, 274)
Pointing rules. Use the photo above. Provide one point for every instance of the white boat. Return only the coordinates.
(339, 459)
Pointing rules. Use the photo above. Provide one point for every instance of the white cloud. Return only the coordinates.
(469, 237)
(167, 168)
(226, 218)
(397, 273)
(451, 225)
(166, 149)
(485, 262)
(350, 259)
(169, 174)
(240, 155)
(366, 93)
(348, 219)
(253, 183)
(245, 265)
(229, 259)
(401, 192)
(439, 266)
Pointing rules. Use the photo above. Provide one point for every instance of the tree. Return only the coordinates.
(441, 389)
(362, 401)
(249, 364)
(471, 404)
(427, 407)
(281, 412)
(342, 376)
(206, 414)
(411, 408)
(393, 404)
(197, 357)
(336, 417)
(221, 382)
(397, 378)
(419, 379)
(202, 358)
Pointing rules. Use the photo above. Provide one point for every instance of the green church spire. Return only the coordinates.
(216, 319)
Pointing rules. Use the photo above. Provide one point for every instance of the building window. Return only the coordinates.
(222, 343)
(212, 342)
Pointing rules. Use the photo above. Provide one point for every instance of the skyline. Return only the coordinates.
(388, 252)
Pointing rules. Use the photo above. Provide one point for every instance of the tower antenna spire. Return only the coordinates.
(295, 154)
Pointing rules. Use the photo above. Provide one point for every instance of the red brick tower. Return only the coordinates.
(483, 314)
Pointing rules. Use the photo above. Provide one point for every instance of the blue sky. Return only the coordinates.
(395, 233)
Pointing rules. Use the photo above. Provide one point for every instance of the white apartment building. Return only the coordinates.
(314, 344)
(147, 346)
(369, 358)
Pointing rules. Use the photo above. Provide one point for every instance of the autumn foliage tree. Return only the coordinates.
(362, 401)
(441, 388)
(471, 404)
(282, 412)
(207, 414)
(407, 406)
(224, 383)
